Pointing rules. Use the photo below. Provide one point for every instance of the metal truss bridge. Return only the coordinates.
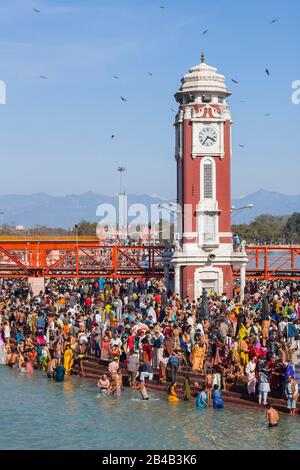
(87, 257)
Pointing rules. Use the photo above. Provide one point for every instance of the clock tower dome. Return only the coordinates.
(204, 251)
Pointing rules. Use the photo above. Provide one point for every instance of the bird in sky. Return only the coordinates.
(204, 32)
(234, 81)
(150, 73)
(44, 77)
(162, 8)
(268, 72)
(242, 146)
(268, 114)
(116, 77)
(122, 98)
(243, 101)
(36, 10)
(112, 136)
(274, 21)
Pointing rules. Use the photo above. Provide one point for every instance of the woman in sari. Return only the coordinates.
(202, 398)
(168, 342)
(147, 351)
(243, 349)
(68, 359)
(187, 388)
(217, 398)
(197, 357)
(173, 398)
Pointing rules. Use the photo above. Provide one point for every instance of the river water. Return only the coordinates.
(36, 413)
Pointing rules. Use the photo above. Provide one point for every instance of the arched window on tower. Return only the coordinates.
(208, 207)
(208, 180)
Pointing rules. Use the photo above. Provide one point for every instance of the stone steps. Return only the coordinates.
(93, 368)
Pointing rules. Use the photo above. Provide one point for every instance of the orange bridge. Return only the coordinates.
(71, 257)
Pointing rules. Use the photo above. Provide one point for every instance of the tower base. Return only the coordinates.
(195, 272)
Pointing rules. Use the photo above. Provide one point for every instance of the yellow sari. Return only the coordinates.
(173, 398)
(197, 358)
(244, 357)
(68, 361)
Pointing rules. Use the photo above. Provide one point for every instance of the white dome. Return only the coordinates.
(205, 79)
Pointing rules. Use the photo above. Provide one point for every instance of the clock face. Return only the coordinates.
(208, 136)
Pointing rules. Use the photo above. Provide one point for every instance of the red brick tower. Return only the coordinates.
(204, 254)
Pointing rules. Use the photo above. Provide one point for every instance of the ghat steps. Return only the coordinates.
(237, 394)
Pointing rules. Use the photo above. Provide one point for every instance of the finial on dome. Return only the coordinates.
(202, 58)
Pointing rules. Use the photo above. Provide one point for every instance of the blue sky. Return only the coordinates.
(55, 133)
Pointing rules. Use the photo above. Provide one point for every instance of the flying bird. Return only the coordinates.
(267, 72)
(274, 21)
(150, 73)
(36, 10)
(116, 77)
(204, 32)
(113, 136)
(234, 81)
(123, 99)
(43, 76)
(243, 146)
(162, 8)
(268, 114)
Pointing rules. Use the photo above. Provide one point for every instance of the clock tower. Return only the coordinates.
(204, 253)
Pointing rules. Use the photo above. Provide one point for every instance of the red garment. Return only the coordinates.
(147, 350)
(251, 351)
(130, 343)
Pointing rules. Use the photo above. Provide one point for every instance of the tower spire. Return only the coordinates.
(202, 58)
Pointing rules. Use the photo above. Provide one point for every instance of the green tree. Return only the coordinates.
(292, 228)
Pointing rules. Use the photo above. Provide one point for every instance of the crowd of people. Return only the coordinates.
(137, 326)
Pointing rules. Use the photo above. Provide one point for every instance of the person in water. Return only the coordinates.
(119, 383)
(68, 359)
(202, 397)
(140, 385)
(104, 385)
(59, 373)
(272, 416)
(187, 389)
(51, 368)
(209, 381)
(218, 401)
(172, 397)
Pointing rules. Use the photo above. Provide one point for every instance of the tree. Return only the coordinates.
(292, 228)
(265, 228)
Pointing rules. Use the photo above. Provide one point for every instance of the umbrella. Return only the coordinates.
(203, 313)
(265, 308)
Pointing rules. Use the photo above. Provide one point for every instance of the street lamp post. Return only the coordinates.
(171, 211)
(122, 204)
(77, 251)
(238, 209)
(236, 247)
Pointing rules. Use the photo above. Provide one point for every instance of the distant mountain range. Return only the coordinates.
(61, 211)
(265, 202)
(66, 211)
